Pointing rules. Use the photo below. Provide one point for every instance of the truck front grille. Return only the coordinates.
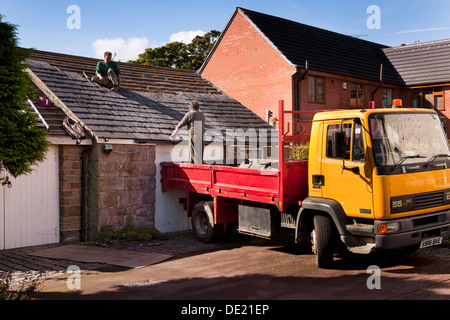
(420, 201)
(429, 200)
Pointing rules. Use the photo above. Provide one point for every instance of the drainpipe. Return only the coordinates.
(380, 85)
(297, 79)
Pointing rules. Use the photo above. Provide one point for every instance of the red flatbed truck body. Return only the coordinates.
(229, 186)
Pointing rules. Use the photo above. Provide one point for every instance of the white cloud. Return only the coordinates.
(422, 30)
(186, 36)
(124, 49)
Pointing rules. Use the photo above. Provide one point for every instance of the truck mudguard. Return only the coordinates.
(328, 206)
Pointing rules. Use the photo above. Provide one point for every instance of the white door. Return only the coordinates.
(29, 207)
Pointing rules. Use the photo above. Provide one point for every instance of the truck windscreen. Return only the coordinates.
(407, 138)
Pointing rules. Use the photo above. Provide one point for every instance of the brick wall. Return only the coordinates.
(246, 67)
(70, 193)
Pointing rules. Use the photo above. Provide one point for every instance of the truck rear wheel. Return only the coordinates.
(203, 222)
(322, 241)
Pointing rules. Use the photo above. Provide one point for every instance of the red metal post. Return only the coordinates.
(281, 150)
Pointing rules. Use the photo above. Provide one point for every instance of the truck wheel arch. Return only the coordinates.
(319, 206)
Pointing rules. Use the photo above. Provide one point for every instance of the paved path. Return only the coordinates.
(24, 267)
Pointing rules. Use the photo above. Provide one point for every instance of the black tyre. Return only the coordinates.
(203, 222)
(322, 237)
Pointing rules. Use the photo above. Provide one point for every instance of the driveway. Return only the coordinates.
(258, 270)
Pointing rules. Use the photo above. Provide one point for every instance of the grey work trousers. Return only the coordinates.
(110, 81)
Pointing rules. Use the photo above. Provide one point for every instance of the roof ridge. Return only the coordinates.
(427, 43)
(98, 59)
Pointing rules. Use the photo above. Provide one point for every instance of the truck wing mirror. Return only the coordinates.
(338, 144)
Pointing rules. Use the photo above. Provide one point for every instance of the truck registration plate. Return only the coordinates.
(431, 242)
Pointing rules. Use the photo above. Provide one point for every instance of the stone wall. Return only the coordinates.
(121, 187)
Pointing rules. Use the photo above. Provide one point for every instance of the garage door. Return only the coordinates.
(29, 206)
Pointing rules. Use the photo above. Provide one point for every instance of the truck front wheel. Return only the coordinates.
(203, 222)
(322, 241)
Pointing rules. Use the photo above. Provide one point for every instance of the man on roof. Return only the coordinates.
(107, 73)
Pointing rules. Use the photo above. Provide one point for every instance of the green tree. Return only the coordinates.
(200, 47)
(179, 55)
(171, 55)
(22, 143)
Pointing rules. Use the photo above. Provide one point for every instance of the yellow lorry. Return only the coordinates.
(375, 179)
(381, 176)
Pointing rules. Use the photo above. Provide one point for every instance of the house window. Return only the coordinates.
(429, 98)
(417, 99)
(438, 97)
(356, 95)
(387, 98)
(316, 89)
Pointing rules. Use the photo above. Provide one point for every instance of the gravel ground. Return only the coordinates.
(25, 267)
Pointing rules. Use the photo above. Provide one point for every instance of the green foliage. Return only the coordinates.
(25, 290)
(22, 143)
(179, 55)
(446, 242)
(299, 152)
(130, 233)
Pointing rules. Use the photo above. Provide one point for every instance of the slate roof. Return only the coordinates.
(139, 112)
(423, 63)
(325, 50)
(53, 116)
(133, 76)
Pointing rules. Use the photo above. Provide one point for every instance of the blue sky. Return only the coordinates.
(128, 27)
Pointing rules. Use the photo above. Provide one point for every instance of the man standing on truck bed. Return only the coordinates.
(195, 122)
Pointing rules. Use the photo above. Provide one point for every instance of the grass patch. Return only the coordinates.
(130, 233)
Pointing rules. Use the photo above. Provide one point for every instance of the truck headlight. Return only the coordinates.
(388, 227)
(402, 204)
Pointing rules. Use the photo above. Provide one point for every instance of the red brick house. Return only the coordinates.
(260, 59)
